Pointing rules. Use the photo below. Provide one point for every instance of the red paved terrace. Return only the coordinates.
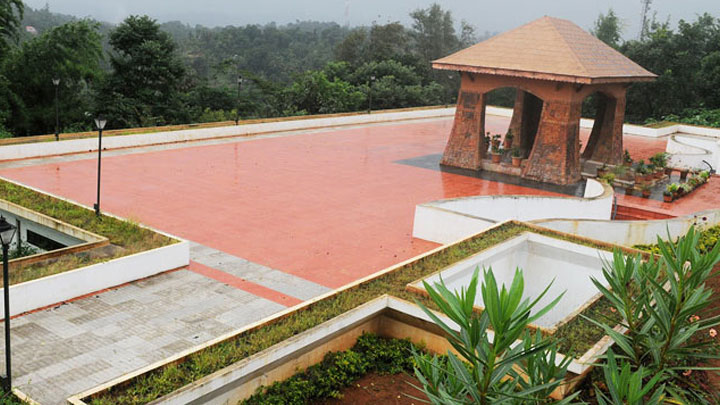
(328, 206)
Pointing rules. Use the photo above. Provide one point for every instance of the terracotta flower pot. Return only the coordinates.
(516, 161)
(495, 157)
(646, 193)
(667, 198)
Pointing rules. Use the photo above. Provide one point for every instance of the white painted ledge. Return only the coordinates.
(61, 287)
(630, 233)
(446, 221)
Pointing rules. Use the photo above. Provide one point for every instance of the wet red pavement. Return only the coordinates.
(330, 207)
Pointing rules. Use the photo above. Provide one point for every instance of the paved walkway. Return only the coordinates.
(81, 344)
(276, 220)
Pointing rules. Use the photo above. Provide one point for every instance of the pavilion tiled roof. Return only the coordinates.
(549, 49)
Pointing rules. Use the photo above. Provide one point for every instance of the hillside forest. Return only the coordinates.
(144, 73)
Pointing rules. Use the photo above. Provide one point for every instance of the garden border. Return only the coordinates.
(79, 399)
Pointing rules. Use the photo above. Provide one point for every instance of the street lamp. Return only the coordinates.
(237, 102)
(7, 232)
(56, 82)
(370, 83)
(100, 124)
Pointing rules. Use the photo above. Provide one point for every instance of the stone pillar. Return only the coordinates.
(516, 122)
(466, 147)
(525, 120)
(555, 157)
(605, 142)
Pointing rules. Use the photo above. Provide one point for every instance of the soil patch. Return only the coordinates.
(373, 388)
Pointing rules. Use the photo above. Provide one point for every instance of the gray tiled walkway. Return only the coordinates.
(78, 345)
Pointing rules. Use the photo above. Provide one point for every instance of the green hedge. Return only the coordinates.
(338, 370)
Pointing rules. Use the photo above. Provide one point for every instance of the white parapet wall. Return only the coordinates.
(39, 149)
(446, 221)
(61, 287)
(630, 233)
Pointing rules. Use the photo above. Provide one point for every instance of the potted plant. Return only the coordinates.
(507, 142)
(516, 157)
(602, 170)
(487, 140)
(608, 178)
(496, 154)
(646, 190)
(621, 172)
(641, 172)
(496, 141)
(660, 160)
(668, 194)
(705, 175)
(685, 189)
(674, 189)
(627, 159)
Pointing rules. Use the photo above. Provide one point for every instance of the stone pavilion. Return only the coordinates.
(554, 65)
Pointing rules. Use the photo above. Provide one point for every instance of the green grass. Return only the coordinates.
(708, 239)
(162, 381)
(124, 234)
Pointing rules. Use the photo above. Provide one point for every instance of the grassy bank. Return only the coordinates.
(129, 237)
(165, 380)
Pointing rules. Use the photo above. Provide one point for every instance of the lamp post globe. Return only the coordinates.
(7, 233)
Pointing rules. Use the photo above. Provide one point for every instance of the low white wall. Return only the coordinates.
(39, 149)
(629, 233)
(75, 283)
(447, 221)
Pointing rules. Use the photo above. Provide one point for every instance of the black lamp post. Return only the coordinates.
(100, 124)
(7, 232)
(370, 84)
(237, 102)
(56, 82)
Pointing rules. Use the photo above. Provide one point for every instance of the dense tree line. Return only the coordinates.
(141, 73)
(687, 61)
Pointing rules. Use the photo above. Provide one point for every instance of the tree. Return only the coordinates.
(313, 93)
(434, 32)
(607, 28)
(145, 85)
(11, 13)
(468, 37)
(71, 53)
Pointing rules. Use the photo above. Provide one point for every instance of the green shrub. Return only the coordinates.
(490, 370)
(338, 370)
(659, 300)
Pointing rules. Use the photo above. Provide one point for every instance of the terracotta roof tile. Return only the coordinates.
(548, 48)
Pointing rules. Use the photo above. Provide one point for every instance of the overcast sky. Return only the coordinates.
(485, 15)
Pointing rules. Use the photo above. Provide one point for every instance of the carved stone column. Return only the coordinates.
(466, 147)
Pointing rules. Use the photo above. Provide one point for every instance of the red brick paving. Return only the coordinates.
(330, 207)
(245, 285)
